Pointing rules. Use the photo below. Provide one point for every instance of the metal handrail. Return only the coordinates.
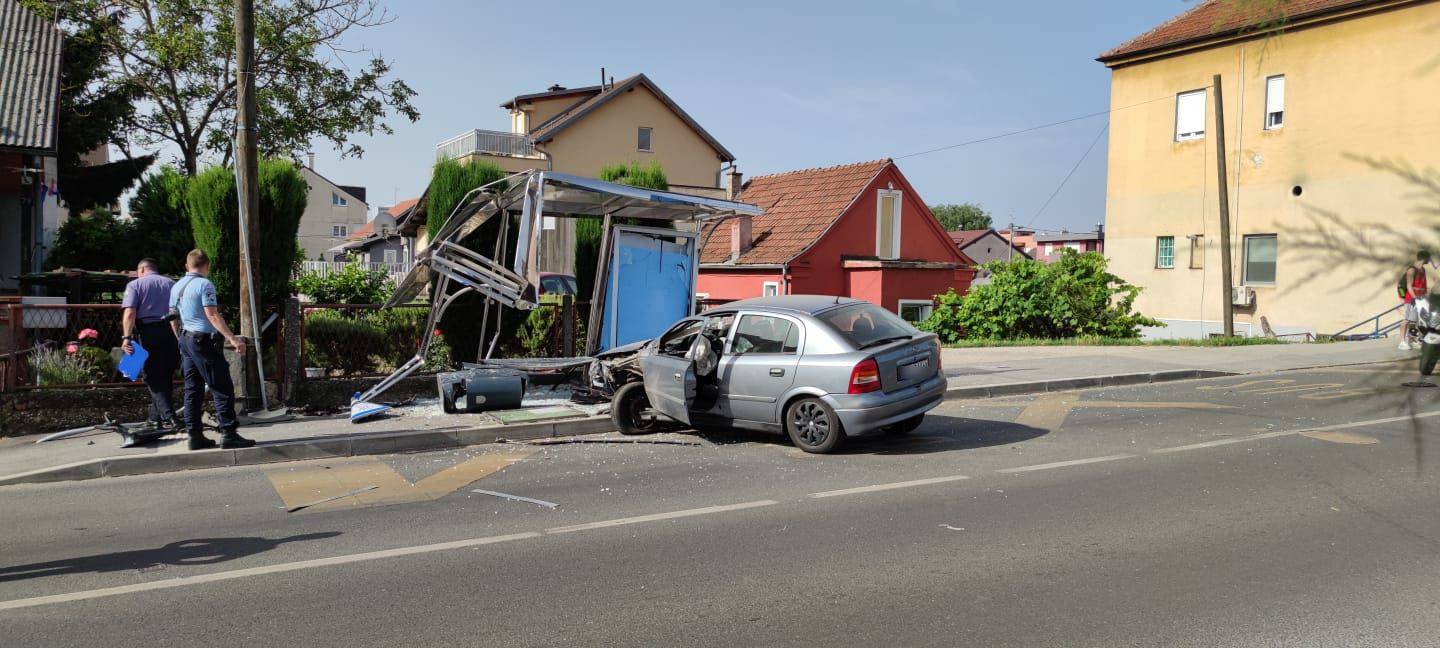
(486, 141)
(1379, 331)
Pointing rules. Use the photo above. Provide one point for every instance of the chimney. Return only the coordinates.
(739, 235)
(310, 160)
(733, 183)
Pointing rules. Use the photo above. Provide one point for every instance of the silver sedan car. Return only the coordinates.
(819, 369)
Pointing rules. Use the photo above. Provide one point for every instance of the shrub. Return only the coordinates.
(588, 230)
(353, 284)
(449, 182)
(533, 336)
(210, 199)
(402, 329)
(339, 343)
(1075, 296)
(95, 241)
(57, 367)
(162, 226)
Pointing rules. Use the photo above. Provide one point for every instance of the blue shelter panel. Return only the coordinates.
(651, 285)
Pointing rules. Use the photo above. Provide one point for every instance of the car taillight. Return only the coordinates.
(865, 377)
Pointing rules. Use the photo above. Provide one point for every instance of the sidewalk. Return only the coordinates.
(973, 373)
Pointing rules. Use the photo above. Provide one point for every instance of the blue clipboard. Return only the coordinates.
(132, 364)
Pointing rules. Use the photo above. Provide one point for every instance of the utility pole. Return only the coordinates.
(1227, 279)
(246, 177)
(1010, 254)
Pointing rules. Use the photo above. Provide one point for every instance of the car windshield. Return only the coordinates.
(865, 325)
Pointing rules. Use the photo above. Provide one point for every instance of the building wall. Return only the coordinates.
(608, 136)
(731, 285)
(886, 287)
(991, 247)
(320, 215)
(1355, 87)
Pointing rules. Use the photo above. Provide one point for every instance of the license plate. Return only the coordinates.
(917, 369)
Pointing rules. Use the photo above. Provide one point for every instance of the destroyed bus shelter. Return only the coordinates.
(645, 279)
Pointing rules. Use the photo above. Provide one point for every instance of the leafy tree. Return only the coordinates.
(965, 216)
(353, 284)
(449, 182)
(94, 241)
(311, 83)
(93, 107)
(1074, 296)
(210, 200)
(161, 224)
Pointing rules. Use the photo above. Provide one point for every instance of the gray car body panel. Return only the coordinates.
(755, 389)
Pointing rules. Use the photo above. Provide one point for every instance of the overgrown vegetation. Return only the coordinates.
(449, 182)
(161, 224)
(588, 230)
(354, 284)
(59, 367)
(1074, 296)
(94, 241)
(352, 343)
(214, 218)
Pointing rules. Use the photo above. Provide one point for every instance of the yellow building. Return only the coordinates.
(1324, 102)
(580, 130)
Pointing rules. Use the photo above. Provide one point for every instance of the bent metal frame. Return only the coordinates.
(457, 270)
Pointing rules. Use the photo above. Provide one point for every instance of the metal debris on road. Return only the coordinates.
(306, 505)
(516, 498)
(952, 528)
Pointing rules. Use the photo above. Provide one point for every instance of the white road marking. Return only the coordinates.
(516, 498)
(1281, 433)
(1065, 464)
(605, 524)
(891, 486)
(233, 574)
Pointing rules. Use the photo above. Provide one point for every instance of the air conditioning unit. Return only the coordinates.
(1242, 296)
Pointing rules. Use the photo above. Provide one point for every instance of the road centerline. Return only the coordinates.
(890, 486)
(1066, 464)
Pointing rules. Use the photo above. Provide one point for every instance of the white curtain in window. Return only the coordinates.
(1275, 95)
(1190, 115)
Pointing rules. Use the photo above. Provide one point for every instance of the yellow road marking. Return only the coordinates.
(1341, 437)
(1248, 383)
(1294, 389)
(1049, 411)
(1345, 393)
(298, 487)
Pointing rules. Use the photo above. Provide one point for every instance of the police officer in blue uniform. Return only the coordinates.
(203, 332)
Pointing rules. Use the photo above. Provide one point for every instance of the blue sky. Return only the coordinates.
(788, 85)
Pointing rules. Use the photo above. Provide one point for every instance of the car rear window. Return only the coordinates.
(863, 324)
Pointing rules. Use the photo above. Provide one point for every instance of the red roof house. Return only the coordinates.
(858, 230)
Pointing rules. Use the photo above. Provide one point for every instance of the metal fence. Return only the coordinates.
(396, 271)
(486, 141)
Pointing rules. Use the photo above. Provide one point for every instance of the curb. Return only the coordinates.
(423, 440)
(1090, 382)
(305, 449)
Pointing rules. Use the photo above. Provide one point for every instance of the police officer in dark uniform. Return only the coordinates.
(146, 302)
(203, 333)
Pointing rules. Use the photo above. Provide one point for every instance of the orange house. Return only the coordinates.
(857, 230)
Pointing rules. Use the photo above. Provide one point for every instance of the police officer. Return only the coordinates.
(202, 332)
(146, 301)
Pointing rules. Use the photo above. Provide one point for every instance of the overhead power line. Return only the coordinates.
(1032, 128)
(1073, 169)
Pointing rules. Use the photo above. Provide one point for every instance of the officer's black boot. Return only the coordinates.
(231, 439)
(199, 441)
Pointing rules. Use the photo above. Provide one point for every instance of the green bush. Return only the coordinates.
(402, 330)
(1075, 296)
(211, 202)
(162, 226)
(353, 284)
(588, 230)
(335, 342)
(95, 241)
(650, 176)
(449, 182)
(58, 367)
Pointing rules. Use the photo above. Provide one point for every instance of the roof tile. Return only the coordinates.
(1215, 18)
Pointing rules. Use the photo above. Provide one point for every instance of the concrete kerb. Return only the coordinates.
(423, 440)
(313, 448)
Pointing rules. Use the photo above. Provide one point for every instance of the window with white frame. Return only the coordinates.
(1275, 102)
(887, 224)
(392, 256)
(770, 289)
(338, 200)
(642, 138)
(916, 310)
(1260, 259)
(339, 230)
(1190, 115)
(1164, 251)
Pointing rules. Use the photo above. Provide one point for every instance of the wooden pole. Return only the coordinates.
(246, 176)
(1227, 278)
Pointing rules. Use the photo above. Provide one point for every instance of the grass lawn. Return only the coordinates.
(1099, 341)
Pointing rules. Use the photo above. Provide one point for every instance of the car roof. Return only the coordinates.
(801, 304)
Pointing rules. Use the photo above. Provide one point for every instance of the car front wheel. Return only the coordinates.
(630, 410)
(813, 426)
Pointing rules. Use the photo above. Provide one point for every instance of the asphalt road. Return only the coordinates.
(1296, 509)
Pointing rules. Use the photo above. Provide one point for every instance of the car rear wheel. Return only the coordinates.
(813, 426)
(630, 410)
(906, 426)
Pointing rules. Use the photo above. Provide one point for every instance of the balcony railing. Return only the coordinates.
(486, 142)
